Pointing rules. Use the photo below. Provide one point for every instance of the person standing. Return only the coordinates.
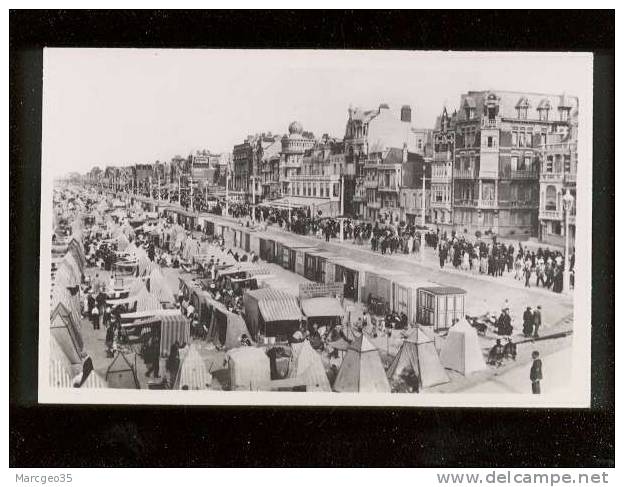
(527, 325)
(537, 321)
(536, 373)
(527, 272)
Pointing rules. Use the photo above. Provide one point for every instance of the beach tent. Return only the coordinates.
(249, 368)
(418, 353)
(272, 312)
(306, 365)
(122, 242)
(65, 329)
(193, 374)
(158, 286)
(461, 351)
(60, 369)
(361, 369)
(226, 328)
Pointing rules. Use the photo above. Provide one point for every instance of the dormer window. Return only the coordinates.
(522, 108)
(564, 114)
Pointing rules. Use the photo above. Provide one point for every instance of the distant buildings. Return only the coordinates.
(498, 165)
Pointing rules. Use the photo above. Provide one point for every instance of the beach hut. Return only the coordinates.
(440, 306)
(418, 355)
(272, 312)
(405, 295)
(461, 350)
(361, 369)
(226, 328)
(324, 311)
(353, 275)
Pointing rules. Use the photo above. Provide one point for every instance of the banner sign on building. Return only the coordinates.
(320, 290)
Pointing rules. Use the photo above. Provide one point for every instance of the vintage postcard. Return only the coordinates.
(294, 227)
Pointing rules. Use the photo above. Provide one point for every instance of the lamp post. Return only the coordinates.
(227, 188)
(422, 220)
(341, 207)
(568, 201)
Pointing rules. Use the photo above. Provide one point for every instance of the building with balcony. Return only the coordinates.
(294, 147)
(559, 160)
(498, 140)
(317, 182)
(267, 182)
(390, 176)
(442, 171)
(375, 131)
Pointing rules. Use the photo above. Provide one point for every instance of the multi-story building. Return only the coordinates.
(374, 131)
(242, 161)
(392, 179)
(268, 154)
(142, 177)
(559, 160)
(496, 162)
(317, 184)
(294, 146)
(442, 171)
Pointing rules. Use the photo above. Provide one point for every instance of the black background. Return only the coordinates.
(66, 436)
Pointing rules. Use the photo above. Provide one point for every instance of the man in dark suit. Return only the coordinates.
(536, 373)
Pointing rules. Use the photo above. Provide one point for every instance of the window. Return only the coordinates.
(514, 139)
(467, 162)
(419, 144)
(490, 142)
(543, 114)
(514, 163)
(564, 114)
(521, 139)
(551, 198)
(567, 163)
(522, 113)
(549, 164)
(528, 163)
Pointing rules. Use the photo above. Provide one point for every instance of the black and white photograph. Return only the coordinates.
(315, 227)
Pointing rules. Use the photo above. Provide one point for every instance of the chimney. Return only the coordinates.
(406, 113)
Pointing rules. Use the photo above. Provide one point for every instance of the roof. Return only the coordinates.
(282, 309)
(324, 306)
(442, 290)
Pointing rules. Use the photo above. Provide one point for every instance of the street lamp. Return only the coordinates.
(568, 201)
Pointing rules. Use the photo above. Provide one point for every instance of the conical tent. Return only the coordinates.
(461, 351)
(146, 301)
(418, 353)
(361, 369)
(158, 287)
(306, 364)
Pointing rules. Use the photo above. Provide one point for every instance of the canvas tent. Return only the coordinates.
(226, 328)
(193, 374)
(461, 351)
(418, 353)
(249, 368)
(66, 334)
(361, 369)
(158, 286)
(306, 365)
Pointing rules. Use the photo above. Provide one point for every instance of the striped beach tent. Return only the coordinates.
(193, 373)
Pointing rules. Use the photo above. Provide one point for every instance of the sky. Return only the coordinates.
(127, 106)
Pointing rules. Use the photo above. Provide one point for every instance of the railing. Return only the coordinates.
(388, 187)
(440, 204)
(371, 183)
(440, 178)
(464, 174)
(373, 204)
(523, 174)
(487, 203)
(550, 214)
(472, 203)
(518, 204)
(490, 123)
(569, 177)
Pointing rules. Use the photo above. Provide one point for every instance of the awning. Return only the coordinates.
(278, 306)
(297, 202)
(317, 307)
